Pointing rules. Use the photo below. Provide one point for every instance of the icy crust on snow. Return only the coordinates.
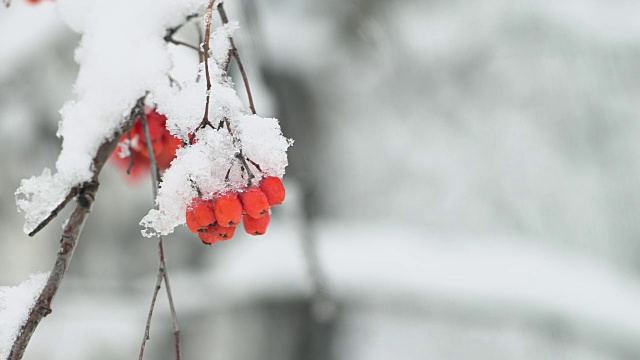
(122, 54)
(15, 303)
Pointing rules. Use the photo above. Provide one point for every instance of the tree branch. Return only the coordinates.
(162, 269)
(86, 194)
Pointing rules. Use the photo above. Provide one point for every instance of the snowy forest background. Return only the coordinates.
(469, 171)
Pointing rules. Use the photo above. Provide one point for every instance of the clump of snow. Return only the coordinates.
(220, 43)
(15, 303)
(122, 55)
(204, 165)
(263, 143)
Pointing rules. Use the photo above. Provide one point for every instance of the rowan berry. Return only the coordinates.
(202, 212)
(273, 189)
(254, 202)
(192, 224)
(208, 237)
(228, 210)
(255, 226)
(223, 233)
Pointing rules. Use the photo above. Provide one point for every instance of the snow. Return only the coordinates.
(122, 55)
(204, 165)
(15, 303)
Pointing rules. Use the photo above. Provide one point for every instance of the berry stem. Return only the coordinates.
(130, 154)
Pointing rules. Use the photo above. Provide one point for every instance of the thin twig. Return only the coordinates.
(162, 269)
(72, 194)
(74, 190)
(86, 194)
(7, 3)
(255, 164)
(156, 289)
(173, 81)
(131, 162)
(173, 30)
(205, 47)
(182, 43)
(236, 55)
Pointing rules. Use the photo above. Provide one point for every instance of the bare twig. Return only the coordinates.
(182, 43)
(162, 269)
(254, 164)
(74, 191)
(7, 3)
(236, 55)
(205, 47)
(156, 289)
(72, 194)
(131, 162)
(86, 194)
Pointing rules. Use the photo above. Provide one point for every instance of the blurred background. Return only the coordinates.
(463, 185)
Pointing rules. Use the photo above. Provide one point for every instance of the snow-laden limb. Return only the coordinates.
(15, 303)
(122, 55)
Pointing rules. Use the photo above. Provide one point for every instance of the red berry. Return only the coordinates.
(192, 224)
(255, 226)
(273, 188)
(223, 233)
(208, 238)
(202, 212)
(254, 202)
(228, 210)
(170, 144)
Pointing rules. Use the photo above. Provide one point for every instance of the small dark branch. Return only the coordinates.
(130, 155)
(226, 177)
(181, 43)
(254, 164)
(162, 269)
(156, 289)
(172, 308)
(7, 3)
(72, 194)
(68, 244)
(174, 82)
(173, 30)
(245, 166)
(205, 47)
(236, 55)
(155, 172)
(85, 195)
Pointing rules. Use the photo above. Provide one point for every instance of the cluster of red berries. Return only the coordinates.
(163, 143)
(216, 219)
